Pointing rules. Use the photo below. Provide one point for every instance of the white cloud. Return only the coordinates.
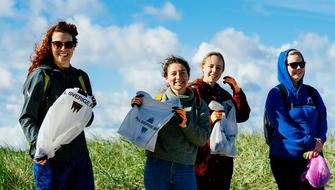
(134, 50)
(322, 7)
(166, 13)
(254, 66)
(6, 78)
(13, 137)
(110, 46)
(7, 8)
(67, 8)
(111, 109)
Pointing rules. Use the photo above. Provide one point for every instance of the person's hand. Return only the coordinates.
(232, 83)
(319, 145)
(41, 160)
(137, 100)
(312, 153)
(94, 101)
(216, 115)
(181, 116)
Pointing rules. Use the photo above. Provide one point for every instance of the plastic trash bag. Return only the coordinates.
(142, 124)
(318, 173)
(64, 121)
(224, 132)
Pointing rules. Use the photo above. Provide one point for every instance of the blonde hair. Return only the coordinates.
(294, 52)
(202, 64)
(209, 55)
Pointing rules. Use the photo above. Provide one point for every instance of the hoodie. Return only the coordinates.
(298, 127)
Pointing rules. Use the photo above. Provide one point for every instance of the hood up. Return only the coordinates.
(283, 76)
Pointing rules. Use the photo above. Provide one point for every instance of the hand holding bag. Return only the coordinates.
(222, 140)
(318, 173)
(64, 121)
(142, 124)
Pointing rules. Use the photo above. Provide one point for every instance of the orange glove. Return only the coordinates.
(182, 120)
(137, 100)
(94, 101)
(41, 160)
(216, 115)
(231, 81)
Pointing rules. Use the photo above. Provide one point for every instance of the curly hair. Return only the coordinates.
(174, 59)
(43, 54)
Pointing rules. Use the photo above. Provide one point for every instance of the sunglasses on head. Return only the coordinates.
(294, 65)
(67, 45)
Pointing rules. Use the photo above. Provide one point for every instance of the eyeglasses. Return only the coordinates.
(67, 45)
(294, 65)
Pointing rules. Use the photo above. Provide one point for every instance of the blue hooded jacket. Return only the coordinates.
(298, 127)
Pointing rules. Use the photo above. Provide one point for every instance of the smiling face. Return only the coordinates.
(212, 69)
(295, 74)
(62, 56)
(177, 78)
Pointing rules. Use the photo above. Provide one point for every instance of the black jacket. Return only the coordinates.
(34, 108)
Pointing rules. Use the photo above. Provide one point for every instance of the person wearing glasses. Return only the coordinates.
(71, 167)
(299, 128)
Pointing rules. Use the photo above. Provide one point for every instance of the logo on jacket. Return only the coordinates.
(143, 130)
(76, 107)
(151, 120)
(309, 100)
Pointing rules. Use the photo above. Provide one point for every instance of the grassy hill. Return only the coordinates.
(120, 165)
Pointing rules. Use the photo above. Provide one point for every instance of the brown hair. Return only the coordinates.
(43, 54)
(202, 64)
(174, 59)
(170, 60)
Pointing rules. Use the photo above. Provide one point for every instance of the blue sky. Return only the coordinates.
(120, 44)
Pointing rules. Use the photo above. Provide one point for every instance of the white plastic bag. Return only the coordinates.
(222, 140)
(64, 121)
(142, 124)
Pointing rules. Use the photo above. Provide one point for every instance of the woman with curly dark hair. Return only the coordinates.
(171, 165)
(48, 77)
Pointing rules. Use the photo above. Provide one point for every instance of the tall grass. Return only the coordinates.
(119, 165)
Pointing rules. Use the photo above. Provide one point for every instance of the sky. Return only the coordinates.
(122, 42)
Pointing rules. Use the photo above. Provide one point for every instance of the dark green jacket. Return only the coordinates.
(177, 144)
(34, 108)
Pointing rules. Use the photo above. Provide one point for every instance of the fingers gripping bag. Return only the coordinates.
(142, 124)
(64, 121)
(222, 140)
(318, 173)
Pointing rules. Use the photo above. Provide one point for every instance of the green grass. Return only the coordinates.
(120, 165)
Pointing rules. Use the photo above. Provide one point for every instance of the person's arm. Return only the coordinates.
(33, 91)
(239, 100)
(90, 93)
(322, 125)
(199, 133)
(275, 109)
(242, 107)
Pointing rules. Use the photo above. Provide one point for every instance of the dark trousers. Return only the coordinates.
(219, 176)
(70, 175)
(288, 171)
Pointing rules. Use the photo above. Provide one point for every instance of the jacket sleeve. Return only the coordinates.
(322, 117)
(242, 107)
(89, 92)
(33, 91)
(199, 133)
(288, 129)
